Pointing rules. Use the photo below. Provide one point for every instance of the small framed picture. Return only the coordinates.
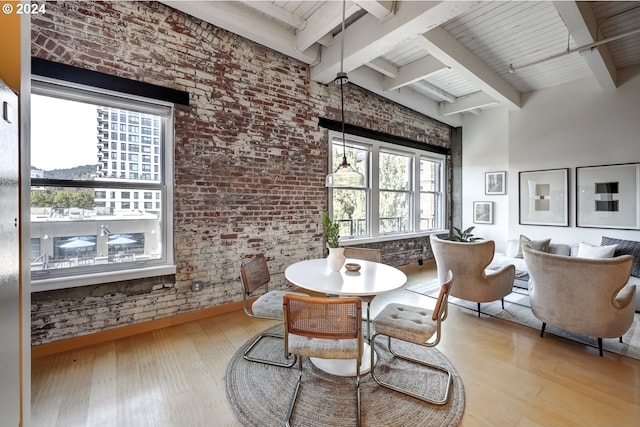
(495, 183)
(483, 212)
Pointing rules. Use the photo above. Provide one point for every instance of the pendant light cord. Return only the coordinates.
(342, 77)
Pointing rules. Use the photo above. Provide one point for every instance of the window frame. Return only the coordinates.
(373, 190)
(165, 265)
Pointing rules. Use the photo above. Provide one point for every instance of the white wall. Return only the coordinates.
(485, 148)
(577, 124)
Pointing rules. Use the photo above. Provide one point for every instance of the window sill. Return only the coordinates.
(48, 284)
(388, 237)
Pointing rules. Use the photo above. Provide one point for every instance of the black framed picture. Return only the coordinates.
(607, 196)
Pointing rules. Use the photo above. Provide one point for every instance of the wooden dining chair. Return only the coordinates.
(255, 278)
(415, 325)
(326, 328)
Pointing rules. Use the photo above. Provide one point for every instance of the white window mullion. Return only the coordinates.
(374, 193)
(415, 220)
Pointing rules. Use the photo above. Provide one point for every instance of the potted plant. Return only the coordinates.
(331, 229)
(465, 235)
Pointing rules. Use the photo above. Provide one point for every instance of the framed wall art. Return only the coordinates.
(495, 183)
(607, 196)
(483, 212)
(544, 197)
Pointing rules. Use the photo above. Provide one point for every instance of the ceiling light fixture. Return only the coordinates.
(344, 175)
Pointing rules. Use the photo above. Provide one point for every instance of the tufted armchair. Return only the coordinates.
(467, 262)
(586, 296)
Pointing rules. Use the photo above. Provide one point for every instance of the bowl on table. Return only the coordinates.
(352, 266)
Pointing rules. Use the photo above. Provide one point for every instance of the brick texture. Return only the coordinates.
(250, 159)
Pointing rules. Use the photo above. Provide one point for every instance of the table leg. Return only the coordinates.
(345, 367)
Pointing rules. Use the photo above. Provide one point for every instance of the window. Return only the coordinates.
(81, 215)
(404, 192)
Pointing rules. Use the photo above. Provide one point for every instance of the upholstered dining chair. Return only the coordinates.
(255, 278)
(468, 262)
(415, 325)
(326, 328)
(366, 254)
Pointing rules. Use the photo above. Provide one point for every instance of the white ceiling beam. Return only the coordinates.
(384, 67)
(417, 70)
(368, 38)
(451, 52)
(245, 22)
(379, 9)
(372, 81)
(323, 21)
(277, 12)
(583, 27)
(467, 103)
(436, 91)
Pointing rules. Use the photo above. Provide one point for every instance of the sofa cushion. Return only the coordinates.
(539, 245)
(586, 250)
(624, 247)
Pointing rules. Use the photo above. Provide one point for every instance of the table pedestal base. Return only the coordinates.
(345, 367)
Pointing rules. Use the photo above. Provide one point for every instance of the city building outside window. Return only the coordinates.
(83, 228)
(404, 192)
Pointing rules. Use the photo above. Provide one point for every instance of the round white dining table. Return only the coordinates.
(373, 278)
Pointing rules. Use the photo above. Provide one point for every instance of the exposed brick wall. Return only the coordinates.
(250, 159)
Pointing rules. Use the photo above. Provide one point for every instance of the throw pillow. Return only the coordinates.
(539, 245)
(585, 250)
(625, 247)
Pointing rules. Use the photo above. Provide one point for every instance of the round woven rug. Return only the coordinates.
(260, 394)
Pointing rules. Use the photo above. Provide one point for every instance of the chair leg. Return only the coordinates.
(544, 325)
(502, 299)
(358, 388)
(292, 405)
(287, 422)
(600, 346)
(250, 358)
(620, 340)
(442, 401)
(478, 309)
(368, 320)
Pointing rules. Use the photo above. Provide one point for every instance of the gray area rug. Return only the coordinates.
(260, 394)
(518, 310)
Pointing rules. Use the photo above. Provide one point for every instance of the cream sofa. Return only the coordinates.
(501, 259)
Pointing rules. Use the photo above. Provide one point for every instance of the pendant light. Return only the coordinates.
(344, 175)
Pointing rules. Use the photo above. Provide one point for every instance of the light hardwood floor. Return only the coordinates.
(175, 376)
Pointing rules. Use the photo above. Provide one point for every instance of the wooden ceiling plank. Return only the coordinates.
(277, 12)
(440, 93)
(414, 71)
(384, 67)
(467, 103)
(234, 17)
(323, 21)
(379, 9)
(452, 53)
(372, 81)
(368, 38)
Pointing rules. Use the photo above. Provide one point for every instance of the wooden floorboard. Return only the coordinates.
(175, 376)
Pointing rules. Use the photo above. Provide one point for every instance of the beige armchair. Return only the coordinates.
(585, 296)
(467, 262)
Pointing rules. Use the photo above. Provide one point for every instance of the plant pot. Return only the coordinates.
(336, 258)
